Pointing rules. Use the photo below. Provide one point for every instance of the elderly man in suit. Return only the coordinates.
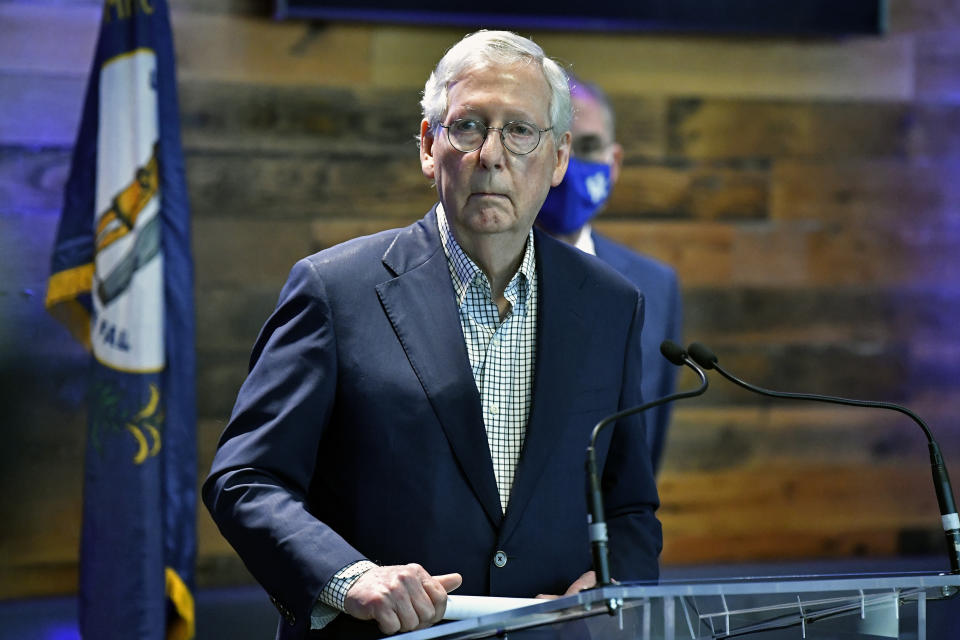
(418, 405)
(595, 161)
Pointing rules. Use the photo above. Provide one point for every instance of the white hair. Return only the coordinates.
(484, 48)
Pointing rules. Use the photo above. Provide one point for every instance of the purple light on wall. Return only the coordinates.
(61, 632)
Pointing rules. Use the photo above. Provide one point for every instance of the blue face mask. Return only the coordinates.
(572, 203)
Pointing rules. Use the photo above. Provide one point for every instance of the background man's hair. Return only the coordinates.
(580, 87)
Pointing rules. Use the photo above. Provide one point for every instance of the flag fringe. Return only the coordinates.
(183, 626)
(63, 289)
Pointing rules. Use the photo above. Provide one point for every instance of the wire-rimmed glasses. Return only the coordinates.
(518, 137)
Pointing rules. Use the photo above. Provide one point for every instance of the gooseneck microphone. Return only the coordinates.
(941, 481)
(595, 518)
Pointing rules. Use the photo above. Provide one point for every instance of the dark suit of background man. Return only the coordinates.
(595, 161)
(422, 398)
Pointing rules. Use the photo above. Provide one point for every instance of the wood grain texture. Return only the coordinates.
(32, 37)
(287, 186)
(804, 189)
(247, 253)
(737, 128)
(923, 16)
(677, 65)
(772, 512)
(938, 78)
(254, 50)
(690, 190)
(887, 194)
(40, 110)
(32, 179)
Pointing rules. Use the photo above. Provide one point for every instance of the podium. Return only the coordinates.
(869, 606)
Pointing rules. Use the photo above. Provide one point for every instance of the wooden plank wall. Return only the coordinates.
(805, 189)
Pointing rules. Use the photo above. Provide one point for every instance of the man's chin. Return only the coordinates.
(489, 219)
(493, 223)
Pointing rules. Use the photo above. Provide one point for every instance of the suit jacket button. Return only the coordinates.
(500, 559)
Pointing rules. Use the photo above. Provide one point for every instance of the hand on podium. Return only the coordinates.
(400, 597)
(586, 581)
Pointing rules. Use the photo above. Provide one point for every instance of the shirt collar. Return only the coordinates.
(585, 240)
(464, 271)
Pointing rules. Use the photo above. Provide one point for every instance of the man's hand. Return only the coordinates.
(586, 581)
(400, 598)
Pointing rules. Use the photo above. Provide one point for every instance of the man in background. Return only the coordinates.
(594, 168)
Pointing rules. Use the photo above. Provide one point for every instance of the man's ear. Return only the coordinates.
(426, 150)
(563, 157)
(617, 153)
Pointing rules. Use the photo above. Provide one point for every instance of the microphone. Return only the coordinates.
(941, 481)
(595, 519)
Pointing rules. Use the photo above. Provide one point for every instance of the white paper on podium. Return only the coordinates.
(462, 607)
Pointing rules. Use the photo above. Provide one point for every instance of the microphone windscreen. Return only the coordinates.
(672, 352)
(702, 355)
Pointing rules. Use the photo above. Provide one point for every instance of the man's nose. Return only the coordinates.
(492, 151)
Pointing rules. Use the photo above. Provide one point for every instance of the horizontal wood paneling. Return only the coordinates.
(324, 116)
(923, 16)
(735, 128)
(669, 65)
(32, 180)
(231, 251)
(938, 56)
(287, 186)
(40, 110)
(32, 37)
(700, 252)
(254, 50)
(873, 194)
(776, 513)
(805, 190)
(683, 190)
(234, 46)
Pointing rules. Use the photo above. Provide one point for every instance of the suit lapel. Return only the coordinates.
(560, 351)
(420, 305)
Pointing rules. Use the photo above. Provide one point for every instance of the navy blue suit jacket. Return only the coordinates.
(359, 434)
(663, 320)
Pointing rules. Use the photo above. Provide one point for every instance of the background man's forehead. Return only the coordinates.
(588, 112)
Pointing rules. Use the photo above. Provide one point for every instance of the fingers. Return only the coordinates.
(437, 588)
(400, 598)
(388, 621)
(438, 598)
(423, 593)
(586, 581)
(449, 581)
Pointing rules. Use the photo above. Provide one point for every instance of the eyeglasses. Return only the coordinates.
(518, 137)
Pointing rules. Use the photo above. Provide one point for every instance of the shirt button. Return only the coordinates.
(494, 408)
(500, 559)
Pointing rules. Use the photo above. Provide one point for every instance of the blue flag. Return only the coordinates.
(122, 281)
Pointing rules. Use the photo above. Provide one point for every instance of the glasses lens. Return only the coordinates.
(521, 137)
(467, 135)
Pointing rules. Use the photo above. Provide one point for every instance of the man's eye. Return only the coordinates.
(521, 129)
(468, 126)
(587, 145)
